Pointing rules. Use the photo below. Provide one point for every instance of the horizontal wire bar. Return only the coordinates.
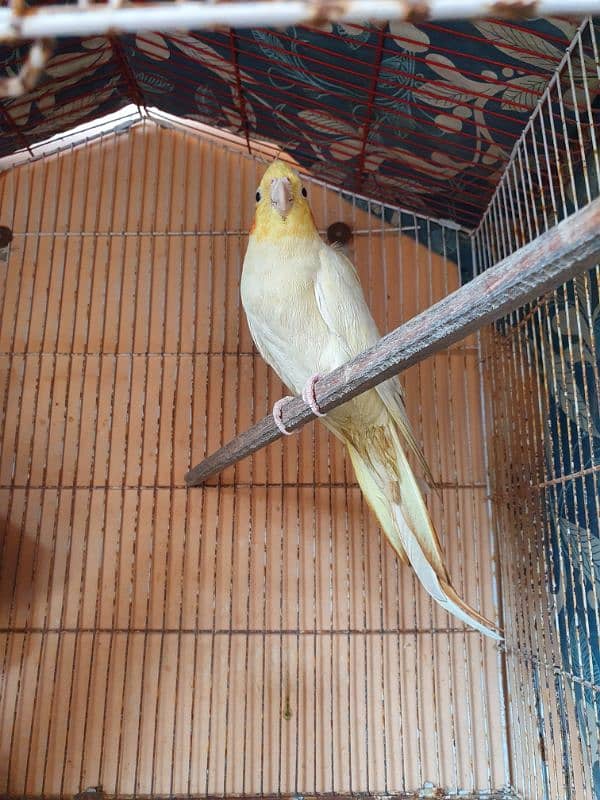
(428, 791)
(61, 20)
(216, 234)
(242, 631)
(216, 484)
(453, 350)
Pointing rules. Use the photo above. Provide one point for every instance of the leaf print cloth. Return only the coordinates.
(423, 117)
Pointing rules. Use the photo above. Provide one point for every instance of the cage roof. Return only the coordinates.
(423, 116)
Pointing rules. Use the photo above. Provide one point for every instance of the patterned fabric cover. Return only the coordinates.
(422, 117)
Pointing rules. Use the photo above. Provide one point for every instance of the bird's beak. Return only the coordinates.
(281, 196)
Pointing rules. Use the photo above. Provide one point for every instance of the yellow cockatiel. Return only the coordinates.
(307, 315)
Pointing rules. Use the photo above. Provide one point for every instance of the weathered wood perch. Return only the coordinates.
(568, 249)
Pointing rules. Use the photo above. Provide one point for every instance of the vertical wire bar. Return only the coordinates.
(213, 196)
(397, 566)
(118, 571)
(537, 559)
(548, 165)
(492, 365)
(171, 144)
(448, 637)
(537, 633)
(61, 637)
(497, 229)
(152, 565)
(586, 88)
(100, 582)
(528, 630)
(45, 623)
(459, 528)
(268, 494)
(492, 522)
(540, 183)
(570, 336)
(588, 555)
(529, 177)
(251, 523)
(364, 561)
(86, 535)
(203, 490)
(520, 614)
(558, 561)
(413, 581)
(78, 645)
(524, 236)
(556, 157)
(511, 378)
(522, 182)
(583, 156)
(471, 425)
(532, 597)
(313, 518)
(9, 509)
(341, 212)
(549, 373)
(332, 738)
(9, 371)
(226, 700)
(544, 631)
(133, 561)
(565, 132)
(592, 356)
(573, 557)
(183, 263)
(383, 246)
(507, 225)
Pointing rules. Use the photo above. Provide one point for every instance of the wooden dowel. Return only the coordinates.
(566, 250)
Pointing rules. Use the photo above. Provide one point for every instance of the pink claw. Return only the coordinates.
(277, 412)
(308, 395)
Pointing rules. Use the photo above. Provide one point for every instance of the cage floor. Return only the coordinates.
(255, 636)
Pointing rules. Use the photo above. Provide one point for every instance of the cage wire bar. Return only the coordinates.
(87, 19)
(192, 648)
(542, 387)
(255, 637)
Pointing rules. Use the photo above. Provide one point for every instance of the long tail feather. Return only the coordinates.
(391, 489)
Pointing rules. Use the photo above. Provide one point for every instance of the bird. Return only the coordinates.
(307, 315)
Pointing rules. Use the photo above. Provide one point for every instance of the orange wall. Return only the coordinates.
(252, 636)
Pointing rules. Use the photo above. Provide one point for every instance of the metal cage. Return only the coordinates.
(255, 637)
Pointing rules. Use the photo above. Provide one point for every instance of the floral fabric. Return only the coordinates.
(422, 117)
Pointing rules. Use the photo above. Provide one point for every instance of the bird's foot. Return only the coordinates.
(277, 412)
(308, 395)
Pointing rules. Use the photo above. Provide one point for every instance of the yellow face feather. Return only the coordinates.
(269, 222)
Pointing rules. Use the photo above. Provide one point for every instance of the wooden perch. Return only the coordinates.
(568, 249)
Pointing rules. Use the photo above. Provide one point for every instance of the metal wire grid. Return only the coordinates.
(542, 373)
(348, 126)
(255, 636)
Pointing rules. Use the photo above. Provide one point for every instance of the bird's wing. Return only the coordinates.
(343, 307)
(273, 350)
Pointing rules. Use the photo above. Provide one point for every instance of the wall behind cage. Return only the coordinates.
(256, 635)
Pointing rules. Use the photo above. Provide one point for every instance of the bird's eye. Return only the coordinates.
(258, 197)
(304, 192)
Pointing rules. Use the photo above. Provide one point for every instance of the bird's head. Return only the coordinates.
(282, 208)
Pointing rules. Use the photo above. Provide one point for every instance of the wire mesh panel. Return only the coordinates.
(542, 366)
(255, 636)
